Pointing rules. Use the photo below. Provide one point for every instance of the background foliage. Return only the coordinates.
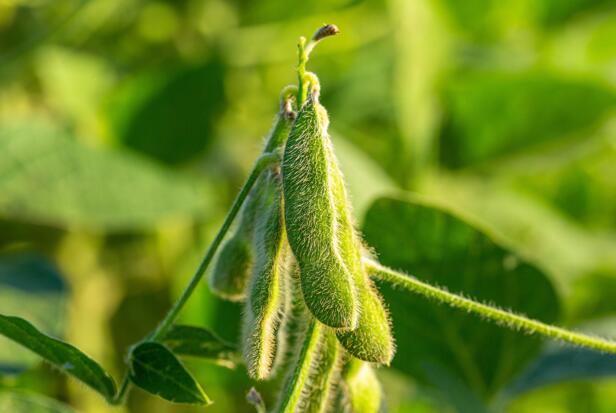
(478, 139)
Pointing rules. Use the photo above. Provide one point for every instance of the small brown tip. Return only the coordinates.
(253, 397)
(287, 110)
(325, 31)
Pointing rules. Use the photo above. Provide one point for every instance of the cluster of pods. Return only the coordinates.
(295, 260)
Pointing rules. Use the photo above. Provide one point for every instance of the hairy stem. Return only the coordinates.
(263, 162)
(301, 71)
(497, 315)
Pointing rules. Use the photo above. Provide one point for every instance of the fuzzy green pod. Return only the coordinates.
(313, 221)
(361, 390)
(295, 318)
(372, 339)
(325, 375)
(236, 257)
(313, 382)
(233, 267)
(263, 344)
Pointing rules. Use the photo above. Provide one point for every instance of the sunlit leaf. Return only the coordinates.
(495, 114)
(156, 370)
(62, 355)
(437, 246)
(47, 177)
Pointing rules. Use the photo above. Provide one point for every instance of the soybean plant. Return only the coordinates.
(313, 317)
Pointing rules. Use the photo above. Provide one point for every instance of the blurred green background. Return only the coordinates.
(127, 127)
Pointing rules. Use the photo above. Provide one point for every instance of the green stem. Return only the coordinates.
(304, 49)
(263, 162)
(497, 315)
(302, 91)
(119, 398)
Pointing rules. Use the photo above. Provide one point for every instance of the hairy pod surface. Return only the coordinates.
(233, 267)
(313, 219)
(372, 339)
(361, 390)
(235, 260)
(296, 316)
(263, 341)
(313, 381)
(325, 376)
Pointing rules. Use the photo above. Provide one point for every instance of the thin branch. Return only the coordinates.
(303, 50)
(497, 315)
(262, 163)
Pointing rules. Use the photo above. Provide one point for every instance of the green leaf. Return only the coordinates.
(583, 188)
(156, 370)
(191, 341)
(169, 114)
(46, 177)
(67, 358)
(18, 402)
(560, 365)
(496, 114)
(31, 288)
(437, 246)
(555, 12)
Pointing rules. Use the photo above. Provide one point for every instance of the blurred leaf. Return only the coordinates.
(592, 296)
(453, 389)
(418, 72)
(437, 246)
(32, 288)
(62, 355)
(494, 114)
(484, 19)
(200, 342)
(17, 402)
(47, 177)
(584, 188)
(365, 179)
(554, 12)
(169, 115)
(156, 370)
(560, 365)
(568, 251)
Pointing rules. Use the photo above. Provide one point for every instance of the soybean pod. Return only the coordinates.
(263, 342)
(361, 391)
(313, 381)
(235, 260)
(312, 219)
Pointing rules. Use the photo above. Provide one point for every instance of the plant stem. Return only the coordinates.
(301, 72)
(304, 49)
(497, 315)
(263, 162)
(119, 398)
